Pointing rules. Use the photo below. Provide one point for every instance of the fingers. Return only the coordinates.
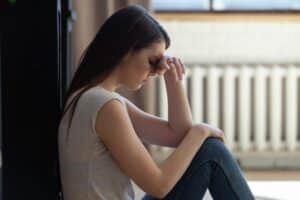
(176, 67)
(182, 66)
(163, 66)
(220, 135)
(216, 132)
(164, 63)
(173, 70)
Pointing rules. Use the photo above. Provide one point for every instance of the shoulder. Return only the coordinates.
(97, 97)
(111, 115)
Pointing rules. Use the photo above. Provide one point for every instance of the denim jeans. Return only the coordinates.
(214, 168)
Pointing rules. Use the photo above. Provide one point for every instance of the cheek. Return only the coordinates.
(136, 71)
(135, 74)
(142, 70)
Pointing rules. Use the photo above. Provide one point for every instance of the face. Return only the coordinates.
(137, 67)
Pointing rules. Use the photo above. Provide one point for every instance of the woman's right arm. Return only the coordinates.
(115, 129)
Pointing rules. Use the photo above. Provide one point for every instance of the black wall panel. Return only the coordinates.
(31, 92)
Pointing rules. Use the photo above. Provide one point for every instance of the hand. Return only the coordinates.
(214, 131)
(209, 131)
(177, 69)
(172, 69)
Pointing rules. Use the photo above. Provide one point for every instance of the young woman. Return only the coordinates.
(101, 132)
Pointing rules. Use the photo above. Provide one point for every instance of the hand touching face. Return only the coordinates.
(172, 68)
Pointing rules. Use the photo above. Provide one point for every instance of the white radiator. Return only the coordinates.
(257, 106)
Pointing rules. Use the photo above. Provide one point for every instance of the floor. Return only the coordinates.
(265, 184)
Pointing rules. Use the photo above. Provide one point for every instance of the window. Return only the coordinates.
(181, 5)
(226, 5)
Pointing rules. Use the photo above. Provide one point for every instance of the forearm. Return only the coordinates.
(176, 164)
(179, 112)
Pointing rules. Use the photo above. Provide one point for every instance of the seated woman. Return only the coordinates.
(101, 132)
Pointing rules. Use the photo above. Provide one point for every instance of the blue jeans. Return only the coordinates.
(215, 168)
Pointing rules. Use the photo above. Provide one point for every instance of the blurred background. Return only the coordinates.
(243, 63)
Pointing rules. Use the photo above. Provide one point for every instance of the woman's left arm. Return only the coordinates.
(155, 130)
(179, 112)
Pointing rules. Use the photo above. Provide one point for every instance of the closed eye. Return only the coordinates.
(154, 62)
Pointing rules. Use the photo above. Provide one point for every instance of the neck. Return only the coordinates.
(111, 83)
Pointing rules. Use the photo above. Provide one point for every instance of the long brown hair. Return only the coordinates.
(129, 29)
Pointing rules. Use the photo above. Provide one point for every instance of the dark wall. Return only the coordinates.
(31, 98)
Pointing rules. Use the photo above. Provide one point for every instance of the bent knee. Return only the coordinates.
(215, 144)
(215, 148)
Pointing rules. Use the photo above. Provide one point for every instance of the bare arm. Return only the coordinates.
(155, 130)
(179, 112)
(116, 131)
(152, 129)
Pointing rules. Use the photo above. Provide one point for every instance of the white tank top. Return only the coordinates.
(88, 170)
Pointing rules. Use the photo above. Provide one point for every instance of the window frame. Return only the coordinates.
(213, 11)
(228, 16)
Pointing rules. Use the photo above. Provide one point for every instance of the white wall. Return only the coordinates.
(235, 41)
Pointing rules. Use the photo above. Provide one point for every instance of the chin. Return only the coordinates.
(138, 87)
(134, 87)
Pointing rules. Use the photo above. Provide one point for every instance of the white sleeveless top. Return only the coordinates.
(88, 170)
